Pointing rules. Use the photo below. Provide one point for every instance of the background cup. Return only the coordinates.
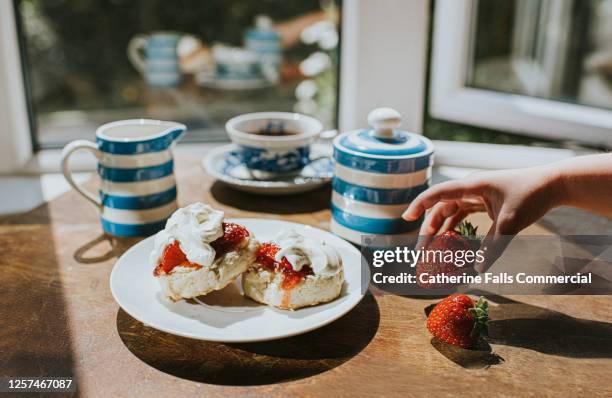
(155, 56)
(266, 152)
(235, 63)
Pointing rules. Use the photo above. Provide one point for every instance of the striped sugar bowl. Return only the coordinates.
(137, 190)
(377, 173)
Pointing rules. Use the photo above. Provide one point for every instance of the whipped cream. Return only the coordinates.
(300, 251)
(194, 227)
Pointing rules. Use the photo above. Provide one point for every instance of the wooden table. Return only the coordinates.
(59, 319)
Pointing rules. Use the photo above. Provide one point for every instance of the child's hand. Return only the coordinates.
(513, 199)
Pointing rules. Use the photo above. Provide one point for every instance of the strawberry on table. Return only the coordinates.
(457, 320)
(450, 240)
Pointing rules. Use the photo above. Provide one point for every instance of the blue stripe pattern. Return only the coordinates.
(387, 166)
(401, 144)
(138, 174)
(373, 225)
(129, 230)
(162, 60)
(262, 34)
(373, 156)
(137, 147)
(125, 201)
(138, 202)
(377, 195)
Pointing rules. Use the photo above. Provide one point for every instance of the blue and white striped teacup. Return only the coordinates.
(155, 56)
(274, 144)
(136, 168)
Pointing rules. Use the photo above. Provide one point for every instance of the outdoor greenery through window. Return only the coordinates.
(199, 62)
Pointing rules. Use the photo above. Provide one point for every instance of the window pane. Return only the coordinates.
(199, 62)
(556, 49)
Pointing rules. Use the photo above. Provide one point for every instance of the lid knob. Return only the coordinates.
(263, 22)
(383, 121)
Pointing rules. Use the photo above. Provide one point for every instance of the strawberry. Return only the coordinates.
(458, 321)
(291, 278)
(449, 240)
(266, 254)
(233, 235)
(171, 257)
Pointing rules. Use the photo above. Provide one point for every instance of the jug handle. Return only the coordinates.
(66, 153)
(134, 52)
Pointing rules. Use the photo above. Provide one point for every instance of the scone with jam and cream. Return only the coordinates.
(294, 271)
(197, 252)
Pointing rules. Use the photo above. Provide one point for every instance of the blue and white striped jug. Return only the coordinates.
(137, 187)
(377, 173)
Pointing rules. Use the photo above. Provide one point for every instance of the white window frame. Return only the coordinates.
(383, 60)
(15, 137)
(452, 100)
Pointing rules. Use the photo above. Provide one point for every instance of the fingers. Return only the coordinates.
(465, 209)
(436, 217)
(434, 220)
(446, 191)
(445, 216)
(493, 245)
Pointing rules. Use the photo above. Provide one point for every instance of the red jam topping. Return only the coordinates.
(173, 256)
(291, 277)
(233, 235)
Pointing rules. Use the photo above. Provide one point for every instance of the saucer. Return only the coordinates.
(224, 164)
(254, 83)
(226, 315)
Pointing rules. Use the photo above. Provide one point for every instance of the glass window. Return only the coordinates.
(554, 49)
(199, 62)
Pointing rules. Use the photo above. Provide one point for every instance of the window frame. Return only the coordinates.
(16, 147)
(452, 100)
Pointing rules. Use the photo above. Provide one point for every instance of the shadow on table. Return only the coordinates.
(306, 202)
(535, 328)
(254, 363)
(103, 248)
(528, 326)
(36, 337)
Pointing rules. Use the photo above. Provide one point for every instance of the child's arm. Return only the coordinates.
(586, 182)
(517, 198)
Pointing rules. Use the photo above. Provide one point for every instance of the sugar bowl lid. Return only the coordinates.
(383, 139)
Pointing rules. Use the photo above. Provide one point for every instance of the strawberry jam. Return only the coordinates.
(233, 235)
(173, 256)
(291, 278)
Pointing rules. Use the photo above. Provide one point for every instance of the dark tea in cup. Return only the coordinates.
(277, 129)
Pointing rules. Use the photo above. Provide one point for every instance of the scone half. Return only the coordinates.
(189, 282)
(266, 287)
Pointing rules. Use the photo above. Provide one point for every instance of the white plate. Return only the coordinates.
(226, 315)
(224, 165)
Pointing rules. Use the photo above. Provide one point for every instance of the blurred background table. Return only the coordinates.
(59, 319)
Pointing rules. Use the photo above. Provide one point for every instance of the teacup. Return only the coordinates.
(274, 144)
(235, 63)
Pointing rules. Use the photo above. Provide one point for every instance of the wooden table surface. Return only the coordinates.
(59, 319)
